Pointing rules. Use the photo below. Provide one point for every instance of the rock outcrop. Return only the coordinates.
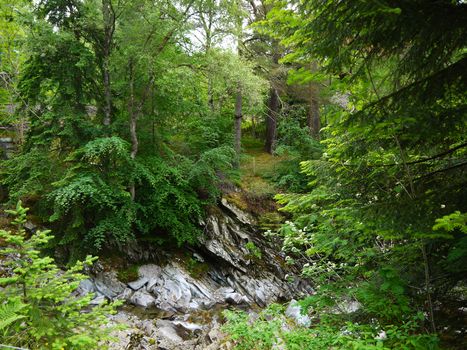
(233, 276)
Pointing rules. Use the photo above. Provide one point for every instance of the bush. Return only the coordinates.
(38, 308)
(271, 330)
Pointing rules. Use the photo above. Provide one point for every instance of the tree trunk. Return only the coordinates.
(109, 27)
(271, 120)
(238, 122)
(133, 113)
(313, 120)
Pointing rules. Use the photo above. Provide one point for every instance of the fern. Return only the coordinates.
(10, 312)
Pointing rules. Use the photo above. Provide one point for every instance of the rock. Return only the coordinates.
(86, 286)
(108, 284)
(126, 294)
(235, 298)
(215, 334)
(294, 311)
(243, 217)
(148, 327)
(30, 227)
(152, 283)
(198, 257)
(143, 299)
(99, 299)
(347, 307)
(139, 283)
(167, 330)
(150, 271)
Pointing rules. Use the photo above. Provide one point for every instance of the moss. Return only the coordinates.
(237, 199)
(270, 221)
(128, 274)
(196, 268)
(254, 251)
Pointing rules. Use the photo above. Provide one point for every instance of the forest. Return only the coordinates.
(233, 174)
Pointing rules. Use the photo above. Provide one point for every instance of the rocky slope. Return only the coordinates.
(172, 309)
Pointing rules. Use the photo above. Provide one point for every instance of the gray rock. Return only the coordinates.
(153, 283)
(150, 271)
(126, 294)
(294, 312)
(198, 257)
(139, 283)
(86, 286)
(99, 299)
(235, 298)
(240, 215)
(143, 299)
(191, 327)
(347, 307)
(108, 284)
(167, 330)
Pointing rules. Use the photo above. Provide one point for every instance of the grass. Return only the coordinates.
(128, 274)
(257, 169)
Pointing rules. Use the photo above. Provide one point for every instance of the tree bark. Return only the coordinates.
(109, 28)
(238, 122)
(313, 120)
(271, 120)
(133, 120)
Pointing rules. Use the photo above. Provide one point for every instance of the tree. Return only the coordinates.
(39, 309)
(395, 153)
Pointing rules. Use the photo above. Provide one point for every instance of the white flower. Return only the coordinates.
(381, 335)
(443, 206)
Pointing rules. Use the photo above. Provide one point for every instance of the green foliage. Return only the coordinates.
(128, 274)
(296, 143)
(97, 184)
(393, 162)
(39, 308)
(452, 222)
(272, 329)
(196, 268)
(253, 250)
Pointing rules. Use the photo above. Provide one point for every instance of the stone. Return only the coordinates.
(108, 284)
(215, 334)
(86, 286)
(139, 283)
(243, 217)
(347, 307)
(99, 299)
(294, 312)
(143, 299)
(189, 326)
(149, 271)
(152, 284)
(126, 294)
(166, 329)
(198, 257)
(235, 298)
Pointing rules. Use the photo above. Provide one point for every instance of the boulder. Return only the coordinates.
(294, 311)
(107, 284)
(139, 283)
(99, 299)
(235, 298)
(143, 299)
(86, 286)
(167, 330)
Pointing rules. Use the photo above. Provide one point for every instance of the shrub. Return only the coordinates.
(38, 308)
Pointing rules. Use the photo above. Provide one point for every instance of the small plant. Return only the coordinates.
(271, 221)
(128, 274)
(195, 267)
(38, 310)
(267, 331)
(253, 250)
